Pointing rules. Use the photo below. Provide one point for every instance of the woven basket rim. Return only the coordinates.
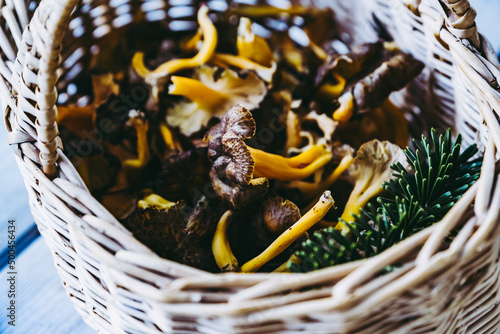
(456, 30)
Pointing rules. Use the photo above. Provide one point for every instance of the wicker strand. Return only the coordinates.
(463, 24)
(19, 6)
(6, 47)
(52, 18)
(8, 15)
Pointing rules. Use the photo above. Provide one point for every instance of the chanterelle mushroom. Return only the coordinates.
(176, 231)
(140, 124)
(291, 234)
(158, 77)
(83, 120)
(261, 224)
(296, 133)
(342, 159)
(242, 63)
(212, 92)
(370, 169)
(273, 166)
(232, 163)
(387, 122)
(252, 46)
(371, 91)
(361, 58)
(226, 143)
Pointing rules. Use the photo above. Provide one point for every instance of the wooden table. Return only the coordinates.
(41, 302)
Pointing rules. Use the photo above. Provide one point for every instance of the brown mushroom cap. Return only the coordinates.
(237, 120)
(226, 149)
(261, 224)
(179, 232)
(233, 164)
(278, 215)
(237, 196)
(359, 59)
(183, 175)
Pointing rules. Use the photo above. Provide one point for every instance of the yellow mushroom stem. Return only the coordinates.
(138, 65)
(310, 189)
(360, 195)
(291, 234)
(221, 247)
(155, 201)
(318, 50)
(168, 138)
(209, 35)
(252, 46)
(205, 97)
(78, 119)
(346, 109)
(191, 44)
(283, 268)
(265, 73)
(293, 128)
(207, 50)
(308, 156)
(396, 117)
(273, 166)
(341, 168)
(333, 91)
(143, 155)
(263, 11)
(292, 55)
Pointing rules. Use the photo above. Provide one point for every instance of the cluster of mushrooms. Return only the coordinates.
(222, 149)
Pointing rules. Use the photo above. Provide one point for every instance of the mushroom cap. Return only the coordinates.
(237, 196)
(179, 233)
(371, 167)
(246, 89)
(241, 166)
(237, 120)
(183, 175)
(232, 162)
(160, 230)
(359, 59)
(204, 218)
(279, 214)
(376, 156)
(230, 155)
(261, 223)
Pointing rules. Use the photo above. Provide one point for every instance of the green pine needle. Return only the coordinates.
(438, 177)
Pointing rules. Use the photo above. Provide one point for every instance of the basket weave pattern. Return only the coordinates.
(120, 286)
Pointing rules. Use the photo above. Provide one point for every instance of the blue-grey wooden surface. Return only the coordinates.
(13, 201)
(43, 306)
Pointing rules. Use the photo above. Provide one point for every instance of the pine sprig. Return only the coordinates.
(421, 196)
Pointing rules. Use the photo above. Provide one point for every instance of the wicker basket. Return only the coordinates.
(118, 285)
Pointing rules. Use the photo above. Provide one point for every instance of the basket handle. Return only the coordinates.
(463, 22)
(48, 27)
